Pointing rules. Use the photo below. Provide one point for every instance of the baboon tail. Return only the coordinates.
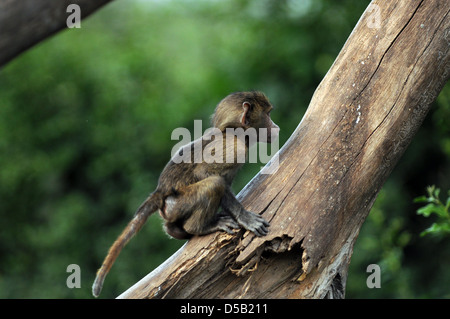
(148, 207)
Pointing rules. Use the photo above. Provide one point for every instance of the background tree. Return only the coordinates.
(86, 118)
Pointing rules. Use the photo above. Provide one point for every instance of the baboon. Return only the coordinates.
(190, 192)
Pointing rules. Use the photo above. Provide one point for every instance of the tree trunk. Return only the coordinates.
(24, 23)
(358, 124)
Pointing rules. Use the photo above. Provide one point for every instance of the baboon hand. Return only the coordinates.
(227, 224)
(254, 223)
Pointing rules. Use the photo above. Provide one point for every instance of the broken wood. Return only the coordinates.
(360, 120)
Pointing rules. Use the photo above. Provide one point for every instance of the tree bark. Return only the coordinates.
(359, 122)
(25, 23)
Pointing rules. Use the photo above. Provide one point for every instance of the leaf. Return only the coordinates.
(430, 190)
(441, 211)
(437, 229)
(436, 193)
(427, 210)
(430, 230)
(421, 199)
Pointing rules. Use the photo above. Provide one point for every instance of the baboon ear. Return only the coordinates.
(246, 108)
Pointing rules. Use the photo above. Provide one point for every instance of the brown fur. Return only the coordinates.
(189, 195)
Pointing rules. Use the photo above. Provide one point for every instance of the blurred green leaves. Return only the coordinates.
(435, 206)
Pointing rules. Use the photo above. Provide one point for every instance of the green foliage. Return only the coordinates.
(435, 206)
(382, 241)
(86, 119)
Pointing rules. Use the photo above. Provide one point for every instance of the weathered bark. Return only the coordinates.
(26, 22)
(359, 122)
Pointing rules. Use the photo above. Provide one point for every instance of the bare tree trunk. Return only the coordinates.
(360, 121)
(23, 23)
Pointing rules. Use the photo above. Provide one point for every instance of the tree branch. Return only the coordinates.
(25, 23)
